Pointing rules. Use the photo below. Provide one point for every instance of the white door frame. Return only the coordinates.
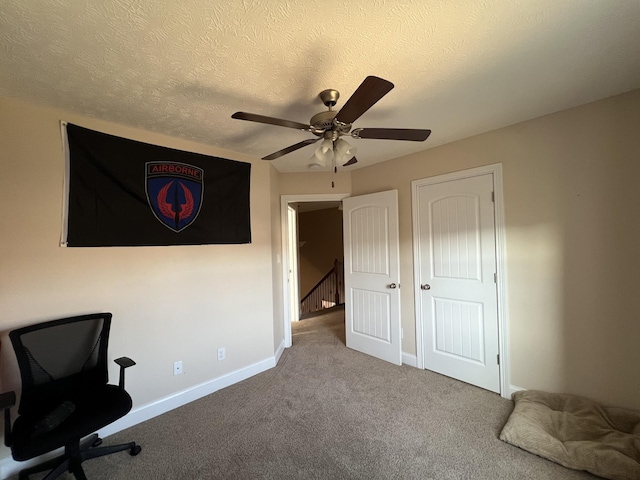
(501, 268)
(294, 279)
(285, 200)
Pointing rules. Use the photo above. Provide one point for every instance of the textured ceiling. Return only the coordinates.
(183, 67)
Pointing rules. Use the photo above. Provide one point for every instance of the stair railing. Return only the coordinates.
(327, 293)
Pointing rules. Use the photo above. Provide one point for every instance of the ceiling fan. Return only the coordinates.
(331, 125)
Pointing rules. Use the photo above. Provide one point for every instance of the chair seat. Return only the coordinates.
(93, 410)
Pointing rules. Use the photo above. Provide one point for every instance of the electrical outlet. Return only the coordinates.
(221, 353)
(177, 368)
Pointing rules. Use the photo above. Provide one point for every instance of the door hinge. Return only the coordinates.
(498, 358)
(495, 278)
(493, 196)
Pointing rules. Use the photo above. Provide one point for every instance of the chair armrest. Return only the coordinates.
(124, 362)
(7, 400)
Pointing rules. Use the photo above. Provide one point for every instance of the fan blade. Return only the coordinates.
(353, 161)
(252, 117)
(290, 149)
(367, 94)
(413, 135)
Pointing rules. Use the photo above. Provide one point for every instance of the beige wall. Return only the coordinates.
(220, 295)
(321, 230)
(572, 230)
(317, 182)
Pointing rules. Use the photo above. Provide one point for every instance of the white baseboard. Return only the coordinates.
(409, 359)
(279, 352)
(513, 389)
(9, 467)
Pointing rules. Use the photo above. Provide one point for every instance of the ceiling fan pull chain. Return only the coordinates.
(333, 172)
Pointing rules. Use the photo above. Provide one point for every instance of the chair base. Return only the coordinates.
(73, 456)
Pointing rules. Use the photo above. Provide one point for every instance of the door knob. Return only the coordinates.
(392, 285)
(426, 286)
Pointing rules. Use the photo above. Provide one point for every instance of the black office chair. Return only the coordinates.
(65, 395)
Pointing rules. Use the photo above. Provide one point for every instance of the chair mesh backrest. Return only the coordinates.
(59, 358)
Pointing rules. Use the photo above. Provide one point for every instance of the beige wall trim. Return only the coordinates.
(495, 170)
(285, 200)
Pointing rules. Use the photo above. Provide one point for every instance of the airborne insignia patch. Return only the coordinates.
(174, 192)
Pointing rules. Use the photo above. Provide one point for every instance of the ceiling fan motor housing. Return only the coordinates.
(323, 120)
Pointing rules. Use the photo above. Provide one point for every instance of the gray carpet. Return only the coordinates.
(327, 412)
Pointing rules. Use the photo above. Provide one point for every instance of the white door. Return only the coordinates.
(372, 275)
(456, 249)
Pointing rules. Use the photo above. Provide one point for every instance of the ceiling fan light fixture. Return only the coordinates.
(344, 151)
(324, 153)
(325, 146)
(315, 163)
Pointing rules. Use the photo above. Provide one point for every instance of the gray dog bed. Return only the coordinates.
(577, 433)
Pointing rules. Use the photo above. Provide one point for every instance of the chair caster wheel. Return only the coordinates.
(135, 450)
(97, 442)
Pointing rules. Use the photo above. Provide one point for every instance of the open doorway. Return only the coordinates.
(290, 211)
(320, 257)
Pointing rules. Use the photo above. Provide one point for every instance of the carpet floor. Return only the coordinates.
(328, 412)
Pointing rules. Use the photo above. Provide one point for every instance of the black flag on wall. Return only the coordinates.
(128, 193)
